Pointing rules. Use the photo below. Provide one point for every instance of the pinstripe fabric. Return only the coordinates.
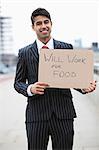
(37, 135)
(61, 131)
(40, 108)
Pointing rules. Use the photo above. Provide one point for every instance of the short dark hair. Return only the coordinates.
(40, 12)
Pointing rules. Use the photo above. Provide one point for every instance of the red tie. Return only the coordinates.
(45, 47)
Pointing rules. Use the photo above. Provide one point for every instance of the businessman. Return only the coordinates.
(50, 111)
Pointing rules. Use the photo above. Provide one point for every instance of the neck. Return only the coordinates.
(45, 40)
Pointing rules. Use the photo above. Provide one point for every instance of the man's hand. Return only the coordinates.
(91, 88)
(38, 88)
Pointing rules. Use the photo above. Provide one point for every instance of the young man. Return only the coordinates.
(49, 111)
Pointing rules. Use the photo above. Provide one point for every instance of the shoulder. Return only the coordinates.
(64, 45)
(25, 49)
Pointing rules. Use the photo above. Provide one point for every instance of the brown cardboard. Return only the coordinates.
(66, 68)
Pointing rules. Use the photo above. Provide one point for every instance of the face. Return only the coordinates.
(42, 26)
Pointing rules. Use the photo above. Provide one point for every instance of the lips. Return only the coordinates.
(44, 32)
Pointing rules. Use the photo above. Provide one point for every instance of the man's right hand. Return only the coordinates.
(38, 88)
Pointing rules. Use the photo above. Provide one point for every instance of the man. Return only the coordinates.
(49, 111)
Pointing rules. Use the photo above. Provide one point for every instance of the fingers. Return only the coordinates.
(93, 83)
(40, 92)
(42, 84)
(91, 88)
(38, 88)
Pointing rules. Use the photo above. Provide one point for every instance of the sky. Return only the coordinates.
(72, 19)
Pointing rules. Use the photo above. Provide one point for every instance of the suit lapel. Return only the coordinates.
(35, 51)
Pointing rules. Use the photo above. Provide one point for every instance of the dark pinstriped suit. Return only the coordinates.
(42, 110)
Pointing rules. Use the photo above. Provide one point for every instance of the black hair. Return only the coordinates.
(40, 12)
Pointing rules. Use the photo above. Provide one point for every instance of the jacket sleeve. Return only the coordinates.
(20, 84)
(80, 90)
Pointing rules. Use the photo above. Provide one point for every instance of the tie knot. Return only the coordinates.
(45, 47)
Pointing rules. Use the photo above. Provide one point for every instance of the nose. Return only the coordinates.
(43, 25)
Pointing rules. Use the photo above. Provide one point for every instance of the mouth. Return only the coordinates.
(44, 31)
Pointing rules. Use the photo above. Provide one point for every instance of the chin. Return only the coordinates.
(45, 36)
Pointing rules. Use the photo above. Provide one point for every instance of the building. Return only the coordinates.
(6, 42)
(95, 46)
(6, 38)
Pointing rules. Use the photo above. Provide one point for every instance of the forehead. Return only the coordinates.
(40, 18)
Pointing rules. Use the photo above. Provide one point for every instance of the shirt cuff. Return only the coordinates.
(28, 90)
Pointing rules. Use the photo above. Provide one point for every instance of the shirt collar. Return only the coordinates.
(50, 44)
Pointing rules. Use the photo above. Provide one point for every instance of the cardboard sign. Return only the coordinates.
(66, 68)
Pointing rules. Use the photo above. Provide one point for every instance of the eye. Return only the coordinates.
(38, 23)
(46, 21)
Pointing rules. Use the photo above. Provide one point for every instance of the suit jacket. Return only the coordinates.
(54, 100)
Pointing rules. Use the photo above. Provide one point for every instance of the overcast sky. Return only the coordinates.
(72, 19)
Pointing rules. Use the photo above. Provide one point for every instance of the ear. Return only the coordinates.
(51, 23)
(32, 26)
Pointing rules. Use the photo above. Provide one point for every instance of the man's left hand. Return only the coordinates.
(91, 88)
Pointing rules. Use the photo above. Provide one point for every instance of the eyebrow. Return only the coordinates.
(41, 21)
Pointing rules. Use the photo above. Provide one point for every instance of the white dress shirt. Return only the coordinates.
(50, 45)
